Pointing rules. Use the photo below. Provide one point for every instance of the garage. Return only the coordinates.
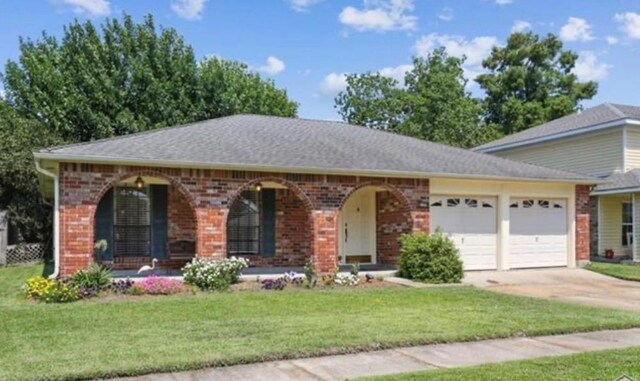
(537, 233)
(471, 223)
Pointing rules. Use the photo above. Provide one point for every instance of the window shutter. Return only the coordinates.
(159, 220)
(104, 224)
(268, 222)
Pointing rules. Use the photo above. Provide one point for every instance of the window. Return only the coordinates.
(437, 203)
(544, 204)
(471, 202)
(627, 224)
(453, 201)
(132, 222)
(528, 203)
(251, 224)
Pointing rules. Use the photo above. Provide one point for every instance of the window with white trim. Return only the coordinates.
(627, 223)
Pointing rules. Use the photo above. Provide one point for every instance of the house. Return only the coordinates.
(603, 141)
(282, 191)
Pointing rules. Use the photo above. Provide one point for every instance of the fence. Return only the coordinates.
(24, 253)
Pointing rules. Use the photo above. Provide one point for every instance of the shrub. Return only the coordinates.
(310, 277)
(154, 285)
(37, 286)
(429, 258)
(95, 277)
(51, 290)
(346, 279)
(209, 274)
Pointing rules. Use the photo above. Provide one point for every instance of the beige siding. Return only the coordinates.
(610, 224)
(636, 231)
(595, 154)
(633, 148)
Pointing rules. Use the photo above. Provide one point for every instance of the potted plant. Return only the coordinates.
(609, 253)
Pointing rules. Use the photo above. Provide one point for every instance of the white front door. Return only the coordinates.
(358, 227)
(537, 232)
(471, 223)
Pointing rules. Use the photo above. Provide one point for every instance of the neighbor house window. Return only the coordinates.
(627, 224)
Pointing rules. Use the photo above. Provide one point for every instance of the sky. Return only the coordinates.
(306, 46)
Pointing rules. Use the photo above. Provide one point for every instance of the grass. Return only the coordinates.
(103, 338)
(616, 270)
(594, 366)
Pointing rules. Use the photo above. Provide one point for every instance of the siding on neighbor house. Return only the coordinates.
(610, 224)
(598, 154)
(636, 231)
(633, 148)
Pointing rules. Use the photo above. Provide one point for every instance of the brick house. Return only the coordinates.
(283, 191)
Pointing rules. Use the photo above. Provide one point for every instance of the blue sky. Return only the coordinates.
(306, 46)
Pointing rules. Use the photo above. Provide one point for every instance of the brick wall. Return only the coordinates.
(181, 224)
(210, 192)
(593, 226)
(392, 220)
(582, 222)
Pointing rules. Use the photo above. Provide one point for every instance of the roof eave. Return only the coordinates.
(560, 135)
(310, 170)
(613, 191)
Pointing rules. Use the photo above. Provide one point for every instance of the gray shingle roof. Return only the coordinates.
(256, 142)
(620, 181)
(593, 116)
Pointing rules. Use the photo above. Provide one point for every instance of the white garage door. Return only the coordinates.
(471, 223)
(538, 233)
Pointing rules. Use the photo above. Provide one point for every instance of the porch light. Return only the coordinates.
(258, 187)
(139, 182)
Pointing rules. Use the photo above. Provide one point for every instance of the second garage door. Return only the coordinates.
(538, 233)
(471, 223)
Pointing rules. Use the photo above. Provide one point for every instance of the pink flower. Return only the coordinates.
(155, 285)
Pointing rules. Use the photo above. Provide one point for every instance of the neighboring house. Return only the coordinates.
(283, 191)
(602, 141)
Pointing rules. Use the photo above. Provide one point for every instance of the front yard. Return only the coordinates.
(620, 271)
(595, 366)
(102, 337)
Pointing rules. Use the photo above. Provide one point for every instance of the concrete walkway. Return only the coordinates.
(411, 359)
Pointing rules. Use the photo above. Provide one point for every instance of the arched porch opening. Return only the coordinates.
(270, 223)
(142, 217)
(372, 219)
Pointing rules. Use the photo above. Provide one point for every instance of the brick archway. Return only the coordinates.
(294, 229)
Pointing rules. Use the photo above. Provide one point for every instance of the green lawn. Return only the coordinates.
(594, 366)
(101, 338)
(622, 271)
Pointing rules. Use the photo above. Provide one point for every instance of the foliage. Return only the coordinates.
(432, 105)
(121, 286)
(274, 284)
(95, 277)
(212, 274)
(154, 285)
(346, 279)
(51, 290)
(354, 269)
(310, 276)
(529, 82)
(431, 258)
(98, 81)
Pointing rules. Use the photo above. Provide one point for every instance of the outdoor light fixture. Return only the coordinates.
(258, 187)
(139, 182)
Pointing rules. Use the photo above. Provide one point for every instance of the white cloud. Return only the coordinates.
(188, 9)
(380, 16)
(396, 72)
(446, 14)
(576, 29)
(475, 50)
(589, 69)
(612, 40)
(630, 24)
(303, 5)
(520, 26)
(333, 83)
(89, 7)
(503, 2)
(273, 66)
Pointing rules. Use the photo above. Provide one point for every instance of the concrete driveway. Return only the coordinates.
(570, 285)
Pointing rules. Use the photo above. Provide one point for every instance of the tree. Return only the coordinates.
(530, 81)
(116, 79)
(432, 105)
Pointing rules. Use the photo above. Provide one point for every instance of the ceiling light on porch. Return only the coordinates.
(258, 187)
(139, 182)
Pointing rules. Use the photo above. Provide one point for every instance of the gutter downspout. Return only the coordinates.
(56, 219)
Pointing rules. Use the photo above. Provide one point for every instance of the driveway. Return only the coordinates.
(570, 285)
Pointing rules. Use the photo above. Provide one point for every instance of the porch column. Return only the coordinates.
(76, 237)
(635, 202)
(325, 240)
(212, 232)
(582, 211)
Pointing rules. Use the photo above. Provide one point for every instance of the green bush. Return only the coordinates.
(95, 277)
(51, 290)
(429, 258)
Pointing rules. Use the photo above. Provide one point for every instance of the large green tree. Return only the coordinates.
(530, 81)
(100, 81)
(432, 103)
